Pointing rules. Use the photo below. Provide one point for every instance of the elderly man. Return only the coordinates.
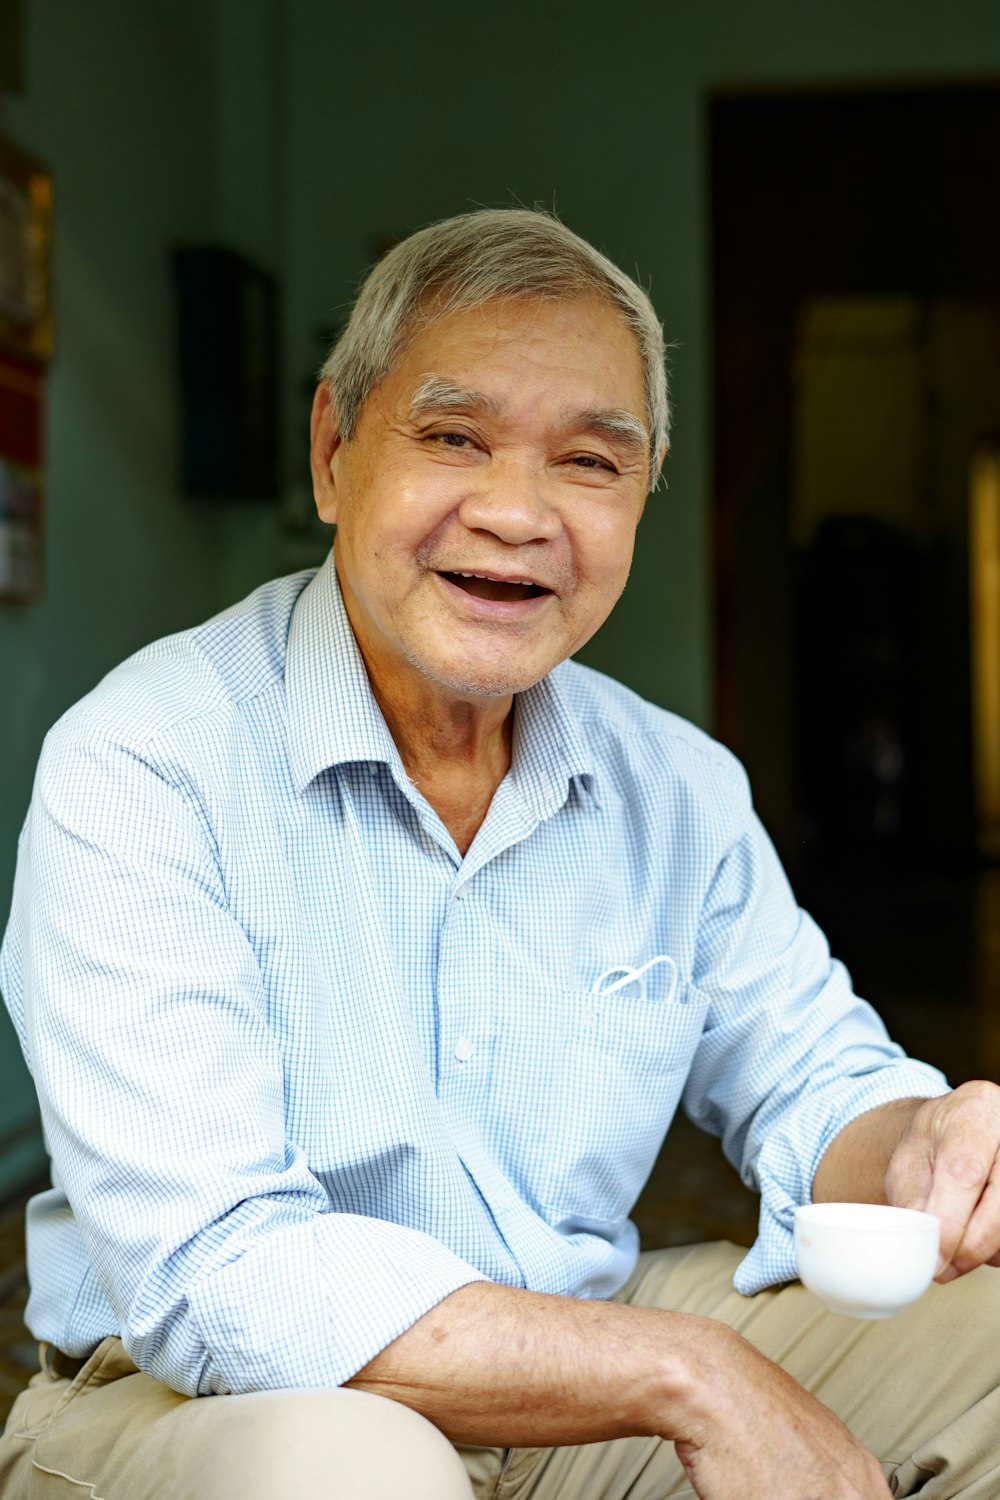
(363, 948)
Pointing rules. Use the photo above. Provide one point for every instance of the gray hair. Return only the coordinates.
(464, 262)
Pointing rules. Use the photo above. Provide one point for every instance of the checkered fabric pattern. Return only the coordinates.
(304, 1070)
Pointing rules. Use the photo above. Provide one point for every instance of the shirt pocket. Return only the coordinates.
(612, 1096)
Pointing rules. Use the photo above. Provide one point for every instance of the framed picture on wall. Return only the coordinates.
(25, 347)
(21, 493)
(25, 240)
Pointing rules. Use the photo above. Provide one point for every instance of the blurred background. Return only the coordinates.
(810, 192)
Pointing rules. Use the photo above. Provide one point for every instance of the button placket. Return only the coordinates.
(457, 1046)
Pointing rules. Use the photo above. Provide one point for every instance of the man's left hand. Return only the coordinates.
(947, 1162)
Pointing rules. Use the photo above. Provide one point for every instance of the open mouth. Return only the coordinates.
(502, 590)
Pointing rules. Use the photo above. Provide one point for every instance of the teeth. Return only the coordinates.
(489, 577)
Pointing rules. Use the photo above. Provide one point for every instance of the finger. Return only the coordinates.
(944, 1159)
(961, 1169)
(980, 1243)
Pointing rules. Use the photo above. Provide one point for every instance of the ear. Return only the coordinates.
(325, 444)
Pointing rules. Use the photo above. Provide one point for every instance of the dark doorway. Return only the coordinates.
(856, 243)
(856, 284)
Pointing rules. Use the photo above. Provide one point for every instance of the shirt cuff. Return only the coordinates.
(311, 1304)
(785, 1174)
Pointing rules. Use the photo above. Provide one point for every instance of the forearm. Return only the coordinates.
(497, 1366)
(853, 1168)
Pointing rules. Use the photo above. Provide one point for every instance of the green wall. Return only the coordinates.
(302, 133)
(121, 101)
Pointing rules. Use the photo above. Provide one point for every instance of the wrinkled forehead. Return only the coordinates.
(443, 304)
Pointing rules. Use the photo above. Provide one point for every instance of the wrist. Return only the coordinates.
(696, 1378)
(856, 1162)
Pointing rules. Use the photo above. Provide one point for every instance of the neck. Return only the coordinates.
(455, 751)
(461, 737)
(455, 746)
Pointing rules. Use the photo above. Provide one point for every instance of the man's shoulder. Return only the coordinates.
(618, 724)
(205, 671)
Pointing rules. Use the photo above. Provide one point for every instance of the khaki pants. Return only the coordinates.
(921, 1391)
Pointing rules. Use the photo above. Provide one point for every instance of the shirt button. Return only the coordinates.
(460, 891)
(463, 1049)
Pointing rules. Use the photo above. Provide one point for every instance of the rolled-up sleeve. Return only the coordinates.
(789, 1055)
(161, 1087)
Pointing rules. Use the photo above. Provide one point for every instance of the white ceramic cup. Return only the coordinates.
(864, 1259)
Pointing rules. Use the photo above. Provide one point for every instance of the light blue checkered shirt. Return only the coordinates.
(304, 1070)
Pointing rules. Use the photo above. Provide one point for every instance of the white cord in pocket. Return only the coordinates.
(600, 987)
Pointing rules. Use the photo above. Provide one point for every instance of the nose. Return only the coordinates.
(513, 503)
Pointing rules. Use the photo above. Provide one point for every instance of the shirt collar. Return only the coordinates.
(549, 749)
(332, 714)
(334, 718)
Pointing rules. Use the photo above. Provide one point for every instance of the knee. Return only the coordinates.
(318, 1443)
(405, 1456)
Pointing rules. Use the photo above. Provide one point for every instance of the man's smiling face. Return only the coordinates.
(486, 505)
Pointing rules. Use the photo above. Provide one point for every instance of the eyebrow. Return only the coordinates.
(617, 425)
(437, 394)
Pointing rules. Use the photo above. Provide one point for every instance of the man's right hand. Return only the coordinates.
(497, 1367)
(754, 1431)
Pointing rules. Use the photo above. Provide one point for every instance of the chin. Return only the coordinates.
(486, 680)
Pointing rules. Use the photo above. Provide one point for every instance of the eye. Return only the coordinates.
(591, 461)
(451, 439)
